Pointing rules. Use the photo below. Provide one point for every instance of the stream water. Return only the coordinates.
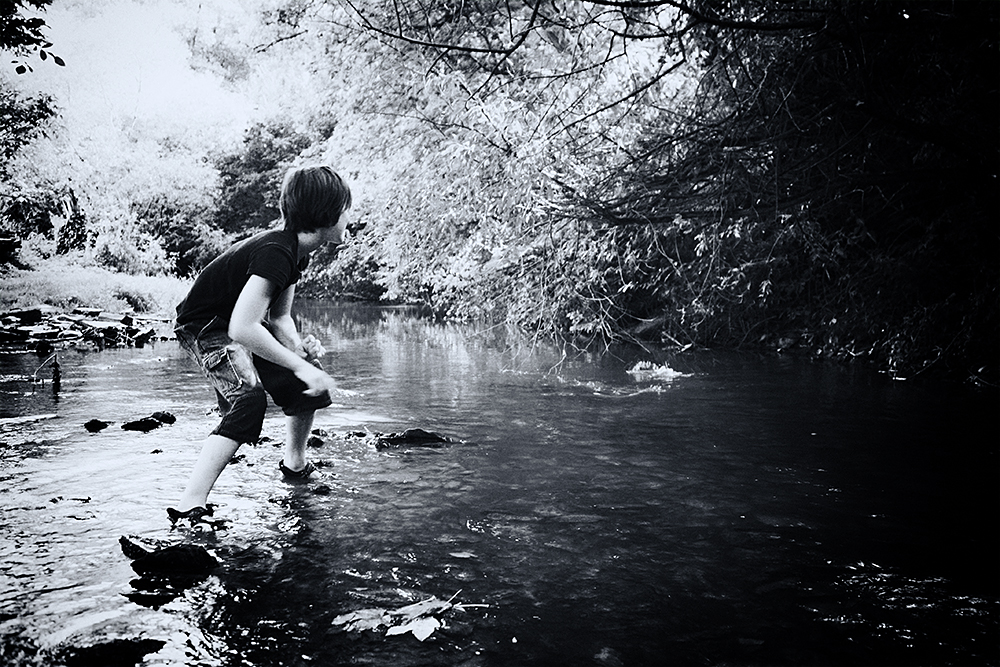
(705, 509)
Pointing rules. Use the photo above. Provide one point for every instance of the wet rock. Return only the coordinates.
(146, 424)
(164, 417)
(115, 653)
(133, 547)
(12, 335)
(154, 598)
(411, 437)
(143, 336)
(174, 559)
(96, 425)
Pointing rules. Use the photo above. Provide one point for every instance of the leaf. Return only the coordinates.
(42, 54)
(431, 605)
(21, 69)
(59, 61)
(462, 554)
(362, 619)
(422, 628)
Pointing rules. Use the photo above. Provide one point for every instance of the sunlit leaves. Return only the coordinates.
(23, 34)
(420, 619)
(22, 119)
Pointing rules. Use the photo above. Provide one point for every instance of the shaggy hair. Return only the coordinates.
(313, 198)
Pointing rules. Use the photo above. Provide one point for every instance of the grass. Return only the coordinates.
(60, 282)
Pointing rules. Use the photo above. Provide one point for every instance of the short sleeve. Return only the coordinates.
(274, 263)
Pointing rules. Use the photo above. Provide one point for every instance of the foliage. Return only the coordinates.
(23, 35)
(64, 283)
(825, 184)
(22, 120)
(250, 180)
(841, 156)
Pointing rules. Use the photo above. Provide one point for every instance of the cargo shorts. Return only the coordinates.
(240, 380)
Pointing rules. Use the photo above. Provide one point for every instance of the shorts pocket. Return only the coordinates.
(230, 369)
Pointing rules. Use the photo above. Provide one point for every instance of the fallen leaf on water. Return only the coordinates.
(363, 619)
(417, 619)
(422, 627)
(431, 605)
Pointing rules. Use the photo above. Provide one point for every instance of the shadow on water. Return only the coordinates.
(701, 509)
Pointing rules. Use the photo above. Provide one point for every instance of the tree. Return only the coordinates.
(832, 174)
(22, 120)
(23, 35)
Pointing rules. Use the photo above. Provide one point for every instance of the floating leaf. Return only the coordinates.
(462, 554)
(42, 54)
(418, 619)
(59, 61)
(363, 619)
(421, 628)
(21, 69)
(431, 605)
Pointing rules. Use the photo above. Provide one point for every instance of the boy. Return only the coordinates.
(236, 322)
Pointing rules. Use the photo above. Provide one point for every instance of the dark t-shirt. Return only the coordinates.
(270, 255)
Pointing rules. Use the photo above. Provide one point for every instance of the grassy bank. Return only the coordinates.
(61, 283)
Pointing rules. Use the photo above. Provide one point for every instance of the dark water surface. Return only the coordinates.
(714, 510)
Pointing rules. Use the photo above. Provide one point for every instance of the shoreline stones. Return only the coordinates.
(44, 328)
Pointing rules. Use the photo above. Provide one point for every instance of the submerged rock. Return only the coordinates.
(165, 570)
(175, 559)
(164, 417)
(411, 437)
(96, 425)
(147, 424)
(115, 652)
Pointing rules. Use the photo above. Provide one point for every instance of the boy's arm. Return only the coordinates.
(280, 318)
(283, 327)
(246, 327)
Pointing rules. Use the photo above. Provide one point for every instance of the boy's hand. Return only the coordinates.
(311, 348)
(316, 379)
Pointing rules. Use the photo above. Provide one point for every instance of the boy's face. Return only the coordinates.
(337, 235)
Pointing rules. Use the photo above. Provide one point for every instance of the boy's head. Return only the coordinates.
(313, 198)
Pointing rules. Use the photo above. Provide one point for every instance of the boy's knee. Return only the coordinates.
(251, 402)
(245, 418)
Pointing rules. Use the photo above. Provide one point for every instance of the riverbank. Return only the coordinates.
(66, 285)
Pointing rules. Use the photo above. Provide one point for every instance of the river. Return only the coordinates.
(705, 508)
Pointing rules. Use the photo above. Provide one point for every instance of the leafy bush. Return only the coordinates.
(250, 180)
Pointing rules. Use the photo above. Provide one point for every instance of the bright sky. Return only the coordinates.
(127, 62)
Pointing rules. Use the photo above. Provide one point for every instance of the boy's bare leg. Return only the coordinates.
(215, 454)
(297, 430)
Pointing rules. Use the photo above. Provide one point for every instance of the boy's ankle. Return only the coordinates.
(306, 472)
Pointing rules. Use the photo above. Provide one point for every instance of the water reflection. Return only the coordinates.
(738, 510)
